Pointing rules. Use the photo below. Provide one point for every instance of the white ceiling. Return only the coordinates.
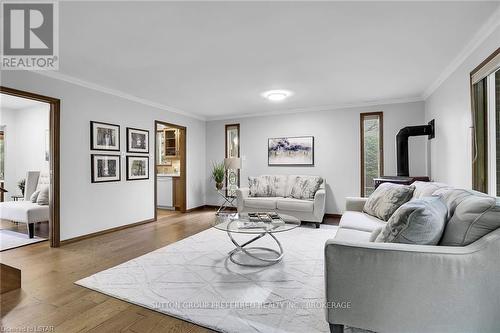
(17, 103)
(214, 59)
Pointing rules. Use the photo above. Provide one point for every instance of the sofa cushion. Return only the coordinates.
(474, 216)
(260, 203)
(23, 211)
(305, 187)
(360, 221)
(452, 197)
(295, 205)
(267, 186)
(426, 189)
(419, 221)
(388, 197)
(352, 235)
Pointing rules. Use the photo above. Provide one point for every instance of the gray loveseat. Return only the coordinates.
(311, 210)
(395, 287)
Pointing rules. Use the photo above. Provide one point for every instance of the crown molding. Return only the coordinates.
(117, 93)
(479, 37)
(331, 107)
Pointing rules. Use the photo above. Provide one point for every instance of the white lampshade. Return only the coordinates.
(232, 163)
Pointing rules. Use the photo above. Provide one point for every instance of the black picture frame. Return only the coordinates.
(130, 130)
(94, 145)
(93, 176)
(269, 140)
(129, 176)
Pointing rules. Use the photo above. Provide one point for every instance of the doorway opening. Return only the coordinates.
(170, 168)
(29, 168)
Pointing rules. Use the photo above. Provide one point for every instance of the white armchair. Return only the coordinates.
(26, 211)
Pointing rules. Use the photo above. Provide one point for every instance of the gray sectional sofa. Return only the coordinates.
(308, 210)
(394, 287)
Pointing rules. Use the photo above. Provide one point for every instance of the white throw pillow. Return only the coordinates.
(305, 187)
(43, 196)
(34, 196)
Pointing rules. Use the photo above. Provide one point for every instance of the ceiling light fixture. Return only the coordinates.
(277, 95)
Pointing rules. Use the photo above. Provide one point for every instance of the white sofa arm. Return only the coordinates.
(355, 204)
(319, 204)
(435, 287)
(241, 194)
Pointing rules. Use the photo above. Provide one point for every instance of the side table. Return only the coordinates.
(228, 201)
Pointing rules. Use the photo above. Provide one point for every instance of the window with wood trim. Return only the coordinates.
(232, 134)
(372, 150)
(485, 94)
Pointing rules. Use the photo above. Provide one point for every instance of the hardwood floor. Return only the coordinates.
(51, 300)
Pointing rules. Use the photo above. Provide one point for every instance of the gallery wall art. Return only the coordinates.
(287, 151)
(105, 168)
(137, 167)
(104, 136)
(137, 140)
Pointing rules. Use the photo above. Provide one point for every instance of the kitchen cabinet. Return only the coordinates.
(164, 192)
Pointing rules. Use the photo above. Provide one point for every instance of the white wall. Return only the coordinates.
(24, 143)
(450, 152)
(337, 146)
(86, 207)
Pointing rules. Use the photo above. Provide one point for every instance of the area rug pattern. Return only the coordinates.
(193, 280)
(10, 240)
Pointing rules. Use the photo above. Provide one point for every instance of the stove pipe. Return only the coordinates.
(402, 145)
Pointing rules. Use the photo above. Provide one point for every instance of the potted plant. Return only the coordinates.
(21, 184)
(218, 172)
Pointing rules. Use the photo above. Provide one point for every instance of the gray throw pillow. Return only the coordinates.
(305, 187)
(419, 221)
(43, 196)
(386, 199)
(267, 186)
(474, 216)
(34, 196)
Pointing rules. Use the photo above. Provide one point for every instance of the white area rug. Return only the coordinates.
(194, 280)
(11, 239)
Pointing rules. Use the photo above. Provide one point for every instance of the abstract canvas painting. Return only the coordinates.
(291, 151)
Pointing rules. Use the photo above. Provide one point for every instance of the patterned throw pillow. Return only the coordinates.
(386, 199)
(419, 221)
(305, 187)
(267, 186)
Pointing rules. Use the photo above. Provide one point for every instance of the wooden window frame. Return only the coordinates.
(362, 116)
(476, 183)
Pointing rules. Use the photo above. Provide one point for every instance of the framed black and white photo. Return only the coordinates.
(137, 140)
(104, 136)
(298, 150)
(137, 167)
(105, 168)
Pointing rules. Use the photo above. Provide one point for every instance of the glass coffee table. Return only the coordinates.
(262, 256)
